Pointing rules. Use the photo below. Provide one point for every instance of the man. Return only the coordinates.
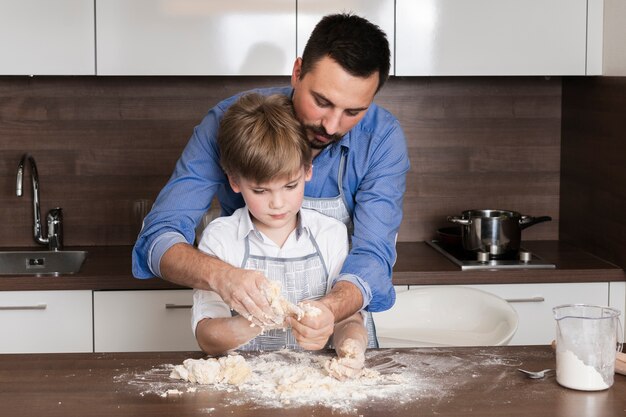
(360, 164)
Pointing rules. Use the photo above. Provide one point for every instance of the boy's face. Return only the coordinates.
(329, 101)
(273, 205)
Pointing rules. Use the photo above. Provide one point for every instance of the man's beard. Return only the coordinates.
(319, 130)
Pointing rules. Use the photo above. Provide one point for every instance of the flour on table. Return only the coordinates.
(289, 378)
(285, 378)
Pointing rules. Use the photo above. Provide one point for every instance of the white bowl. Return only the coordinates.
(446, 316)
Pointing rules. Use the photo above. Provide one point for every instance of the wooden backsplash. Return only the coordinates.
(593, 190)
(105, 145)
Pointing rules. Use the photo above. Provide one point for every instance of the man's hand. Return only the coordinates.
(242, 290)
(184, 264)
(313, 332)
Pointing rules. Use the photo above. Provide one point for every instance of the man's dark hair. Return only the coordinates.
(359, 46)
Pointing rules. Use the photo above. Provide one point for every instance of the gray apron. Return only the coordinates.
(302, 278)
(337, 208)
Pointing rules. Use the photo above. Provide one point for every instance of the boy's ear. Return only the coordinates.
(233, 184)
(309, 173)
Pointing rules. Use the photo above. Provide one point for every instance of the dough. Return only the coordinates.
(284, 308)
(231, 369)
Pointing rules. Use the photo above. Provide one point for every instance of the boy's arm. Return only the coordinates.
(350, 341)
(219, 335)
(351, 328)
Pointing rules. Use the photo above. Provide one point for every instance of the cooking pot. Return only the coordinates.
(449, 236)
(497, 232)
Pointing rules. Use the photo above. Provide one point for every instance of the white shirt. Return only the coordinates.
(225, 239)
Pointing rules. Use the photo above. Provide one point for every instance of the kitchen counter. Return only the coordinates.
(419, 264)
(476, 381)
(109, 268)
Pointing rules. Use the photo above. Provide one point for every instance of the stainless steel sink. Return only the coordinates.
(41, 262)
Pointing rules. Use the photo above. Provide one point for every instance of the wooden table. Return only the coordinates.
(447, 382)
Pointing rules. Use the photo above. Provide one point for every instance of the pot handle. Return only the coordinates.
(458, 220)
(527, 221)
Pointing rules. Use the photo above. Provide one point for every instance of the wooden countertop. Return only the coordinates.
(109, 268)
(105, 268)
(447, 382)
(420, 264)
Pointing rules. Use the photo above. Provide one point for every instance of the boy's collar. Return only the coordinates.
(246, 226)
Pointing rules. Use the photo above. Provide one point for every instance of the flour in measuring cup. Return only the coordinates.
(572, 373)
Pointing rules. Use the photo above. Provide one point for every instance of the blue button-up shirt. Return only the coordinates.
(373, 184)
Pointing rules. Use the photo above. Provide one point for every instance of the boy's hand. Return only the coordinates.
(313, 331)
(350, 360)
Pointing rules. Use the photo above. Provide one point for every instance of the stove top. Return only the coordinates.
(468, 261)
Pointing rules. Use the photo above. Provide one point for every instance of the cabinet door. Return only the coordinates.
(534, 303)
(45, 321)
(137, 321)
(43, 37)
(491, 37)
(182, 37)
(379, 12)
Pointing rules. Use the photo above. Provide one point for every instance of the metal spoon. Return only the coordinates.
(535, 374)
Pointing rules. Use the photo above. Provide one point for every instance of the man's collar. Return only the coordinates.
(336, 148)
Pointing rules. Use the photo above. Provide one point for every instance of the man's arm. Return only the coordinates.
(343, 301)
(377, 215)
(182, 202)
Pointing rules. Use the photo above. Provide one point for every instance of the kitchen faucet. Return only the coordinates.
(55, 215)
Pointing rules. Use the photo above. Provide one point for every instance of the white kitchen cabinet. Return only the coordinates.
(46, 321)
(491, 37)
(136, 321)
(43, 37)
(534, 302)
(184, 37)
(606, 33)
(379, 12)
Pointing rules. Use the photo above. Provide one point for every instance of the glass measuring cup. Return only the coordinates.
(586, 342)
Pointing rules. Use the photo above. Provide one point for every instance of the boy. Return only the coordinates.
(267, 158)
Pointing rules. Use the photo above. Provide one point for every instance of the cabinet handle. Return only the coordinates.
(174, 306)
(537, 299)
(32, 307)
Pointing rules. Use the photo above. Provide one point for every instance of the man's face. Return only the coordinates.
(329, 101)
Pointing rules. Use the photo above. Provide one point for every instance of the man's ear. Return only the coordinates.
(295, 72)
(309, 173)
(233, 184)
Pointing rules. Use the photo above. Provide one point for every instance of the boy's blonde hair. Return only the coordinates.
(260, 138)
